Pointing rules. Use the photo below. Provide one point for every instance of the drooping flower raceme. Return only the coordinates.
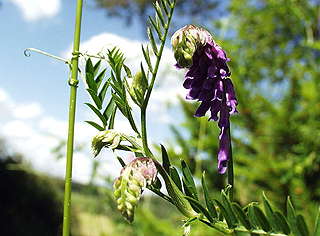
(207, 80)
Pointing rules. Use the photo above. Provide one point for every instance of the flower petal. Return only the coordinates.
(202, 109)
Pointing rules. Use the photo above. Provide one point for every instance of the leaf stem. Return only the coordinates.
(162, 195)
(230, 169)
(230, 178)
(144, 133)
(73, 82)
(154, 74)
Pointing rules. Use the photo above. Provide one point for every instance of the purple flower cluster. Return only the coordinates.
(207, 80)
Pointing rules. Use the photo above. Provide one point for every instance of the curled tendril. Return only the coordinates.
(27, 53)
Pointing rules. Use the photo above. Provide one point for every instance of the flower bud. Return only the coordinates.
(138, 87)
(109, 138)
(138, 174)
(185, 42)
(112, 138)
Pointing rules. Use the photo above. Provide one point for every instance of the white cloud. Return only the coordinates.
(5, 106)
(37, 136)
(27, 111)
(3, 95)
(29, 132)
(37, 9)
(17, 129)
(56, 128)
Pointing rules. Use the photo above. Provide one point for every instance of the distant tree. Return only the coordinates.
(128, 9)
(31, 204)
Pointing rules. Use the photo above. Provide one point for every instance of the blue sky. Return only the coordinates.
(33, 90)
(53, 34)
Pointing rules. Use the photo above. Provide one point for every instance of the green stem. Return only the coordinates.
(230, 159)
(230, 169)
(154, 74)
(223, 228)
(160, 194)
(73, 82)
(144, 133)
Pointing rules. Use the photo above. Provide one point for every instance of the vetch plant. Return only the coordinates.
(208, 81)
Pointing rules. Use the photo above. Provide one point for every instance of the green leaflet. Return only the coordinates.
(152, 41)
(291, 217)
(178, 198)
(189, 185)
(282, 222)
(227, 205)
(302, 226)
(96, 68)
(200, 208)
(98, 113)
(100, 78)
(225, 215)
(95, 98)
(165, 159)
(209, 201)
(317, 224)
(241, 216)
(103, 91)
(95, 125)
(89, 66)
(109, 109)
(175, 177)
(261, 219)
(270, 214)
(147, 57)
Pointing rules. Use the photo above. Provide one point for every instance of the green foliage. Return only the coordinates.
(229, 217)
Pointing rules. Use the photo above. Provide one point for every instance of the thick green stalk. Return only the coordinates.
(154, 74)
(73, 82)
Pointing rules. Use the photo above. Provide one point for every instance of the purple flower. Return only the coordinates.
(207, 81)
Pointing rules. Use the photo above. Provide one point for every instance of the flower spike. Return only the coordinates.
(207, 81)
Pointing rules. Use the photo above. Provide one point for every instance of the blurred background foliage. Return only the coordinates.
(274, 46)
